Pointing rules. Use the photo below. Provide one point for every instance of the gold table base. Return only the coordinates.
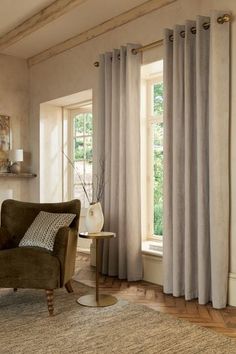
(97, 300)
(103, 301)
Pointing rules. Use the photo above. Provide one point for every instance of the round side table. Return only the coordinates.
(97, 300)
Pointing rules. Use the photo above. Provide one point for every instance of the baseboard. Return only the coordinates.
(152, 269)
(232, 289)
(153, 273)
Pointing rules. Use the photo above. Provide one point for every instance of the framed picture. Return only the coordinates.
(4, 142)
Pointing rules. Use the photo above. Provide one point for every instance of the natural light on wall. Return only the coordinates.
(152, 150)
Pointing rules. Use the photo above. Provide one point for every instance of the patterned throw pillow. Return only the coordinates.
(42, 232)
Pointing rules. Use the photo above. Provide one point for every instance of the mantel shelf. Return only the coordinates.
(17, 175)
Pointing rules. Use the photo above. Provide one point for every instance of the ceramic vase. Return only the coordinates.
(94, 219)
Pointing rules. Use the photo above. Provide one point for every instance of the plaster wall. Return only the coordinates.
(73, 71)
(14, 101)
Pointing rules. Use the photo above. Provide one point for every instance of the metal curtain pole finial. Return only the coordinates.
(224, 18)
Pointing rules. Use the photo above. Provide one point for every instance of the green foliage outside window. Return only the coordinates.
(158, 99)
(158, 160)
(83, 128)
(82, 156)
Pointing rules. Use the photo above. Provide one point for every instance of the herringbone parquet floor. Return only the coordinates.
(151, 295)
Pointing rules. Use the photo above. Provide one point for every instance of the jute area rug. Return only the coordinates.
(25, 327)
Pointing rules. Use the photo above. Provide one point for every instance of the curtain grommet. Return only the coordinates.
(206, 25)
(134, 51)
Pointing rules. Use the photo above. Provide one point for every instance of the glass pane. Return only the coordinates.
(79, 194)
(79, 124)
(88, 172)
(88, 149)
(78, 148)
(78, 172)
(158, 99)
(89, 191)
(88, 124)
(158, 177)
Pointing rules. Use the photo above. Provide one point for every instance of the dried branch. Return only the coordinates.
(77, 173)
(100, 181)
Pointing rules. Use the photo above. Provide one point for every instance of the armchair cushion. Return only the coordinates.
(5, 239)
(29, 267)
(43, 230)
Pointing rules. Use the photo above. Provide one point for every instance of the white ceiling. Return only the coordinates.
(81, 18)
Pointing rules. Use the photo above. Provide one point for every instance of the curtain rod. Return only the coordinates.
(206, 25)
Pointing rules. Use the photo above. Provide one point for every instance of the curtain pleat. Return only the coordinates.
(202, 128)
(190, 163)
(133, 168)
(122, 171)
(196, 161)
(178, 162)
(120, 97)
(168, 163)
(219, 158)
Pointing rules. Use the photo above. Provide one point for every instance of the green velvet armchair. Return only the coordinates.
(34, 267)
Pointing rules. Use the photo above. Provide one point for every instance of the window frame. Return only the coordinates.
(72, 113)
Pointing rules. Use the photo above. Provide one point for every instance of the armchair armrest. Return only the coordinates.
(5, 239)
(65, 250)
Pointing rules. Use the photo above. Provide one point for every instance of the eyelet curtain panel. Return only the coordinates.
(196, 162)
(119, 144)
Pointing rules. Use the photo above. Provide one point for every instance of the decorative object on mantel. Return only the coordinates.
(94, 219)
(17, 175)
(15, 156)
(4, 142)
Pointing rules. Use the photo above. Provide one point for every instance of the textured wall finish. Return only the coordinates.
(14, 101)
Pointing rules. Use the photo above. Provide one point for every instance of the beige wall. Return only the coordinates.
(14, 101)
(73, 71)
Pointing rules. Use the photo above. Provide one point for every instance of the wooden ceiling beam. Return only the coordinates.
(111, 24)
(37, 21)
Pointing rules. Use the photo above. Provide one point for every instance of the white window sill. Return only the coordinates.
(153, 248)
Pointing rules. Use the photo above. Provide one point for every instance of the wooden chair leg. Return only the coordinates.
(49, 294)
(15, 289)
(69, 287)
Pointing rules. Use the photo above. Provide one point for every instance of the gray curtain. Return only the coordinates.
(196, 161)
(119, 141)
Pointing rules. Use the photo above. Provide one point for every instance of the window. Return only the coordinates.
(82, 153)
(152, 115)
